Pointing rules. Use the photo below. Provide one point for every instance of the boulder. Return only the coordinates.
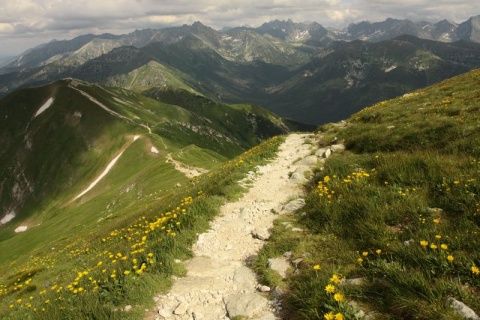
(244, 279)
(294, 205)
(281, 265)
(337, 148)
(462, 309)
(261, 234)
(245, 304)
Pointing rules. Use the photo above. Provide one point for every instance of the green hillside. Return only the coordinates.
(50, 158)
(392, 224)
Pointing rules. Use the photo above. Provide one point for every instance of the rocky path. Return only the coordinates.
(218, 284)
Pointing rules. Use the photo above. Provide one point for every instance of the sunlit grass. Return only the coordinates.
(95, 276)
(398, 213)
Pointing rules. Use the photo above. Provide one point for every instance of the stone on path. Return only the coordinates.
(264, 288)
(294, 205)
(337, 148)
(248, 304)
(298, 178)
(244, 279)
(266, 317)
(327, 153)
(164, 313)
(281, 265)
(181, 309)
(261, 234)
(309, 161)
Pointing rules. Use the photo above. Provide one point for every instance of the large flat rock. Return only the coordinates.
(248, 304)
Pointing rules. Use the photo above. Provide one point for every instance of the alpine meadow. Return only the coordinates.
(288, 171)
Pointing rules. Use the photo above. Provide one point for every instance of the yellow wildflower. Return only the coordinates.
(475, 270)
(339, 316)
(424, 243)
(330, 288)
(316, 267)
(444, 246)
(335, 278)
(364, 253)
(329, 316)
(433, 246)
(326, 179)
(378, 251)
(338, 297)
(359, 260)
(450, 258)
(436, 220)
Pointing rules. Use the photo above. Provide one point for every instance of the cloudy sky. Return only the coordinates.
(27, 23)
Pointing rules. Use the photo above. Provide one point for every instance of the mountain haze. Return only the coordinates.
(301, 71)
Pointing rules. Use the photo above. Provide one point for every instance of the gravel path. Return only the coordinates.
(218, 284)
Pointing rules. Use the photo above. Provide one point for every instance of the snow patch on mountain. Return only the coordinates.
(7, 218)
(100, 177)
(302, 35)
(44, 107)
(21, 229)
(390, 69)
(104, 173)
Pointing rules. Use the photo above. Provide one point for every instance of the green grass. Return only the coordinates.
(67, 152)
(94, 274)
(141, 196)
(399, 210)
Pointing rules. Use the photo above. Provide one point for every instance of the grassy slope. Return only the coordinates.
(68, 153)
(399, 210)
(93, 274)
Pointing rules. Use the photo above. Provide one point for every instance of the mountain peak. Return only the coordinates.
(198, 24)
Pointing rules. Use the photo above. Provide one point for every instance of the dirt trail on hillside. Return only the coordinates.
(218, 284)
(189, 171)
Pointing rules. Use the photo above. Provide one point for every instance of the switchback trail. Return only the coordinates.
(218, 284)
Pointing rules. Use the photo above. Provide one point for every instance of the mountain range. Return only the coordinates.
(301, 71)
(106, 139)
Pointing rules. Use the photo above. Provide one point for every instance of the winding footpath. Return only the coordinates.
(218, 284)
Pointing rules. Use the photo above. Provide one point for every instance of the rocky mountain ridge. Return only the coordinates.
(287, 31)
(301, 71)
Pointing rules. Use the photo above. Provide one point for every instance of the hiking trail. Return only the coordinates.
(219, 284)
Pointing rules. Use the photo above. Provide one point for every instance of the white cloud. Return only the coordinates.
(48, 19)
